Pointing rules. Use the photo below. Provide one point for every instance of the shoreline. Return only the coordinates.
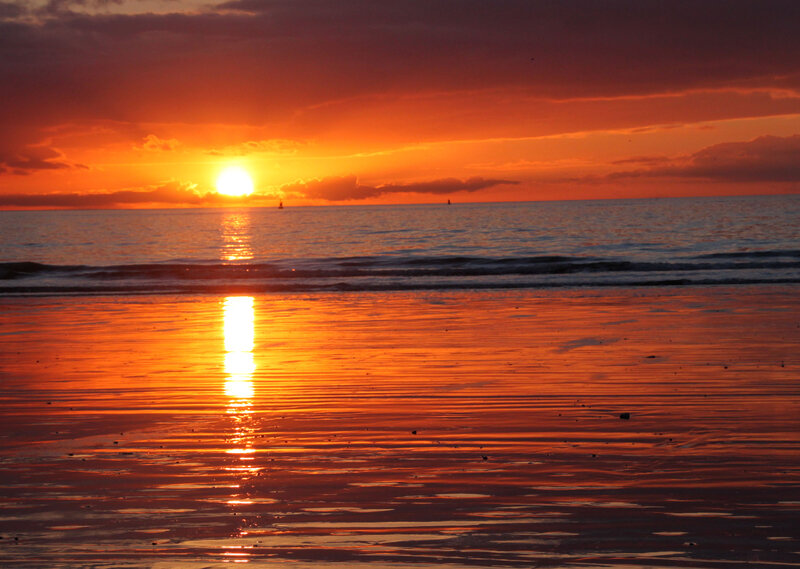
(257, 290)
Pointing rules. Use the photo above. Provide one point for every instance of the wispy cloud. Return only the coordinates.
(280, 146)
(153, 143)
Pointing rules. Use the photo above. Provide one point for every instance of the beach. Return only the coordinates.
(614, 427)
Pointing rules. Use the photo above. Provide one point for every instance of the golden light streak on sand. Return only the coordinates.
(239, 324)
(239, 340)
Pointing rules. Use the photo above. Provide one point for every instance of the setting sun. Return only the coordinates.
(235, 181)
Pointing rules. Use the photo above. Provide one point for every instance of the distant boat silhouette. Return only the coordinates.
(280, 205)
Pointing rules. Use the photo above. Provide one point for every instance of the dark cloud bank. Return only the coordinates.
(173, 194)
(256, 60)
(347, 188)
(23, 161)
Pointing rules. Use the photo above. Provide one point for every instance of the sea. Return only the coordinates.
(562, 244)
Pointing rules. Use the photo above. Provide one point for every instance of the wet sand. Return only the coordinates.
(653, 428)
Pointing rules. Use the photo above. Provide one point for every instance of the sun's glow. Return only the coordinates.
(235, 181)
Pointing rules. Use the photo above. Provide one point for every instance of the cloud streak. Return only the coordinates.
(167, 194)
(26, 160)
(347, 188)
(764, 159)
(275, 147)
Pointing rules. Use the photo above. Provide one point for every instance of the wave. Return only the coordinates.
(399, 272)
(790, 254)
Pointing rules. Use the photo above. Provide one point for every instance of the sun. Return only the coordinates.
(235, 181)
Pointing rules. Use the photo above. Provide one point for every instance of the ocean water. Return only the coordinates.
(677, 241)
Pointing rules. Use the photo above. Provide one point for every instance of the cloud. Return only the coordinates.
(173, 193)
(332, 189)
(10, 10)
(444, 186)
(274, 146)
(30, 159)
(258, 61)
(347, 188)
(764, 159)
(59, 7)
(152, 143)
(643, 161)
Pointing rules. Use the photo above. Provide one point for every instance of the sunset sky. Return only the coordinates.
(135, 103)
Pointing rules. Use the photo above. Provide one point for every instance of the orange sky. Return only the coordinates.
(136, 103)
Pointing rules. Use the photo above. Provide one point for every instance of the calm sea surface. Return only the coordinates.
(505, 245)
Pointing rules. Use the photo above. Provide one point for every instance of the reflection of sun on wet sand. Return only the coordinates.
(460, 428)
(239, 333)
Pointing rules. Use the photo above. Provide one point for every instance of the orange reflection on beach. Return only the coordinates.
(369, 421)
(239, 334)
(240, 367)
(239, 324)
(239, 339)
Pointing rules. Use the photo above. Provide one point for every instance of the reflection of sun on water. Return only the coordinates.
(239, 325)
(236, 236)
(240, 367)
(239, 333)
